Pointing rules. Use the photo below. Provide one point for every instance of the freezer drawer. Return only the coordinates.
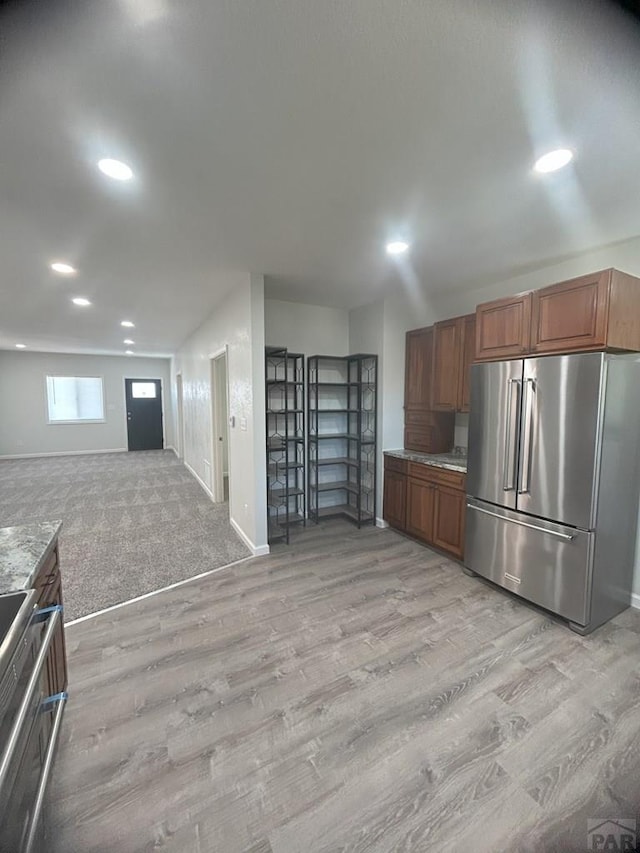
(546, 563)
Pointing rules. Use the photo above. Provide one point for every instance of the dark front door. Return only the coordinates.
(144, 414)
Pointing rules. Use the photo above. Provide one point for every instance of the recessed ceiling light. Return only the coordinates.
(128, 324)
(554, 160)
(115, 169)
(128, 341)
(63, 269)
(21, 346)
(397, 247)
(129, 352)
(81, 301)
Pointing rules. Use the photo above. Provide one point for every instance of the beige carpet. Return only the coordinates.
(133, 522)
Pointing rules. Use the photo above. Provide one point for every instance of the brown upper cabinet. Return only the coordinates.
(453, 351)
(503, 327)
(417, 372)
(467, 356)
(598, 311)
(424, 429)
(593, 312)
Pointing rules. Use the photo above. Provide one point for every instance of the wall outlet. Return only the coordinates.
(243, 424)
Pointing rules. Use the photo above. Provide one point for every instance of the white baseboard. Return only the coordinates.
(62, 453)
(171, 447)
(199, 479)
(635, 600)
(380, 522)
(256, 550)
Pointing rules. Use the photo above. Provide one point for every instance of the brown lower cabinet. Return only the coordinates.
(420, 504)
(426, 502)
(48, 583)
(395, 498)
(448, 520)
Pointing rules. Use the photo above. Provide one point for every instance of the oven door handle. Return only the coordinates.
(53, 619)
(61, 700)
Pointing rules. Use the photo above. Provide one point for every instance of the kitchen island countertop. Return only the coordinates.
(23, 551)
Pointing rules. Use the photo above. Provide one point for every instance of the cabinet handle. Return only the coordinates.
(510, 440)
(525, 460)
(566, 536)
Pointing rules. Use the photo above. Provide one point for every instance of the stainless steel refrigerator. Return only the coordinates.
(553, 481)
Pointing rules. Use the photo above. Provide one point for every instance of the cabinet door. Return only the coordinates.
(446, 364)
(503, 328)
(571, 315)
(467, 355)
(57, 658)
(420, 509)
(417, 373)
(448, 520)
(395, 499)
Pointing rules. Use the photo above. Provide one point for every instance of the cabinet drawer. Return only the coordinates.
(418, 418)
(428, 440)
(392, 463)
(418, 438)
(437, 476)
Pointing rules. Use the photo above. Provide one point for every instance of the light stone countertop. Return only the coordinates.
(23, 550)
(452, 461)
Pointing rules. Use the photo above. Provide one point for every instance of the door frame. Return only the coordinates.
(180, 415)
(124, 392)
(217, 427)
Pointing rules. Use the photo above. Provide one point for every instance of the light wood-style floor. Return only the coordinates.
(354, 692)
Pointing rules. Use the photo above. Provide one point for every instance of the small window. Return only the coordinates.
(143, 389)
(75, 399)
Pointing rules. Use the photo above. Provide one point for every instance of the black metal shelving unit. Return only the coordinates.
(285, 414)
(342, 406)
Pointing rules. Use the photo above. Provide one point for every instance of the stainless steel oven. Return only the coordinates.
(29, 724)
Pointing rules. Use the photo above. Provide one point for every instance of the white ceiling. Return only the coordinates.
(293, 138)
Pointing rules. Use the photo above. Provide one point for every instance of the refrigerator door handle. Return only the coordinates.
(510, 436)
(566, 536)
(528, 393)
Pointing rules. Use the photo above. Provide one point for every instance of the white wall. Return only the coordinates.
(237, 323)
(624, 256)
(309, 329)
(380, 327)
(377, 327)
(23, 405)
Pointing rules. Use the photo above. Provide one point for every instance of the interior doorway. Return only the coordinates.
(144, 414)
(180, 416)
(220, 422)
